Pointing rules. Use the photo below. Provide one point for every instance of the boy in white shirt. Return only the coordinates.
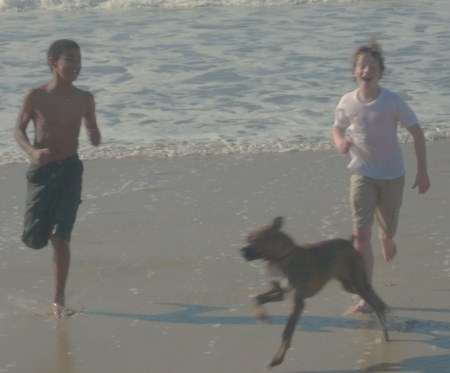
(365, 127)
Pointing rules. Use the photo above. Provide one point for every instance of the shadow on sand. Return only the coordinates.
(438, 332)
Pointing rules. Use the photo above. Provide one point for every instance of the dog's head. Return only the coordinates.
(268, 243)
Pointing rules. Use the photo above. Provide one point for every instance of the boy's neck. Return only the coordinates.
(59, 85)
(368, 93)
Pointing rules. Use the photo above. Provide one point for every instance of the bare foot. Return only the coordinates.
(389, 249)
(61, 310)
(361, 307)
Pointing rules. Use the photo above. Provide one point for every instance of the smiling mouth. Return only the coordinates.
(366, 78)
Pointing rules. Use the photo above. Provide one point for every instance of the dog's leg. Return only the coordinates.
(379, 307)
(358, 283)
(288, 331)
(367, 293)
(275, 294)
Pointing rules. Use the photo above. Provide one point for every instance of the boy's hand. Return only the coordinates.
(422, 182)
(41, 156)
(343, 146)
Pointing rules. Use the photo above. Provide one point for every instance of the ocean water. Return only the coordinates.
(199, 77)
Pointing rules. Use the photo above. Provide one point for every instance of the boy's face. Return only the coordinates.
(367, 71)
(68, 64)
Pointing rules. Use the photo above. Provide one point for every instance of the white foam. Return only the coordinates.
(152, 4)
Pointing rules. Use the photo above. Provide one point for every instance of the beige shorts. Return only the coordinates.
(382, 198)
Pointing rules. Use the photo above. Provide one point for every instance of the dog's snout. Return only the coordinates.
(250, 253)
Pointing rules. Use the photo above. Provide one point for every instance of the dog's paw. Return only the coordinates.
(279, 356)
(262, 317)
(277, 360)
(260, 312)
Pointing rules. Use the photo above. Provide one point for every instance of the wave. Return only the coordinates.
(172, 148)
(21, 5)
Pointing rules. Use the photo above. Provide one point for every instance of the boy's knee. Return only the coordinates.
(362, 234)
(59, 243)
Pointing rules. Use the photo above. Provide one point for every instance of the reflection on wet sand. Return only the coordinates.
(63, 351)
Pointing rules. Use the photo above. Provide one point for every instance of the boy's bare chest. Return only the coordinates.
(60, 110)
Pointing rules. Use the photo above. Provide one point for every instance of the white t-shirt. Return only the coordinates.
(372, 130)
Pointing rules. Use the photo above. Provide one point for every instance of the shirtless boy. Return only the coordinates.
(54, 176)
(365, 126)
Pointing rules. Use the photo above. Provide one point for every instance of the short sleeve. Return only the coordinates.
(340, 118)
(406, 116)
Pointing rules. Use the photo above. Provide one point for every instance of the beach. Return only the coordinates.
(160, 286)
(216, 118)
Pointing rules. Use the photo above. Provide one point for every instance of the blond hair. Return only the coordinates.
(372, 49)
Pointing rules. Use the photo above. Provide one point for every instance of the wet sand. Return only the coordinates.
(160, 286)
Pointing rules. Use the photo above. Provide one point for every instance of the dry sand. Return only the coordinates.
(160, 285)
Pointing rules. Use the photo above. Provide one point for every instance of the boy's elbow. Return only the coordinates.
(418, 135)
(416, 130)
(95, 142)
(18, 134)
(96, 139)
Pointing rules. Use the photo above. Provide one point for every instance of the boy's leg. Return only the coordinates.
(387, 214)
(363, 199)
(70, 180)
(388, 245)
(61, 264)
(362, 243)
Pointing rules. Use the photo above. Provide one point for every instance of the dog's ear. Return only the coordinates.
(277, 223)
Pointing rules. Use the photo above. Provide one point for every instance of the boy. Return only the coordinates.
(365, 126)
(54, 176)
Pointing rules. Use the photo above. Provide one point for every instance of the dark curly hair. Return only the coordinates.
(57, 48)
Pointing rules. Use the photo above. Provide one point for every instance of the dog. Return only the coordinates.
(308, 268)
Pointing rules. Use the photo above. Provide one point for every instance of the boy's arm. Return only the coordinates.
(37, 156)
(90, 122)
(422, 180)
(339, 139)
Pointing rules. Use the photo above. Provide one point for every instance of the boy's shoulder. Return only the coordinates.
(390, 93)
(392, 97)
(46, 89)
(36, 92)
(349, 96)
(82, 92)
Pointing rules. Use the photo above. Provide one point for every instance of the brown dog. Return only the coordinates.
(308, 268)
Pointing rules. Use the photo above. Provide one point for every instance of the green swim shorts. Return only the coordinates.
(53, 197)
